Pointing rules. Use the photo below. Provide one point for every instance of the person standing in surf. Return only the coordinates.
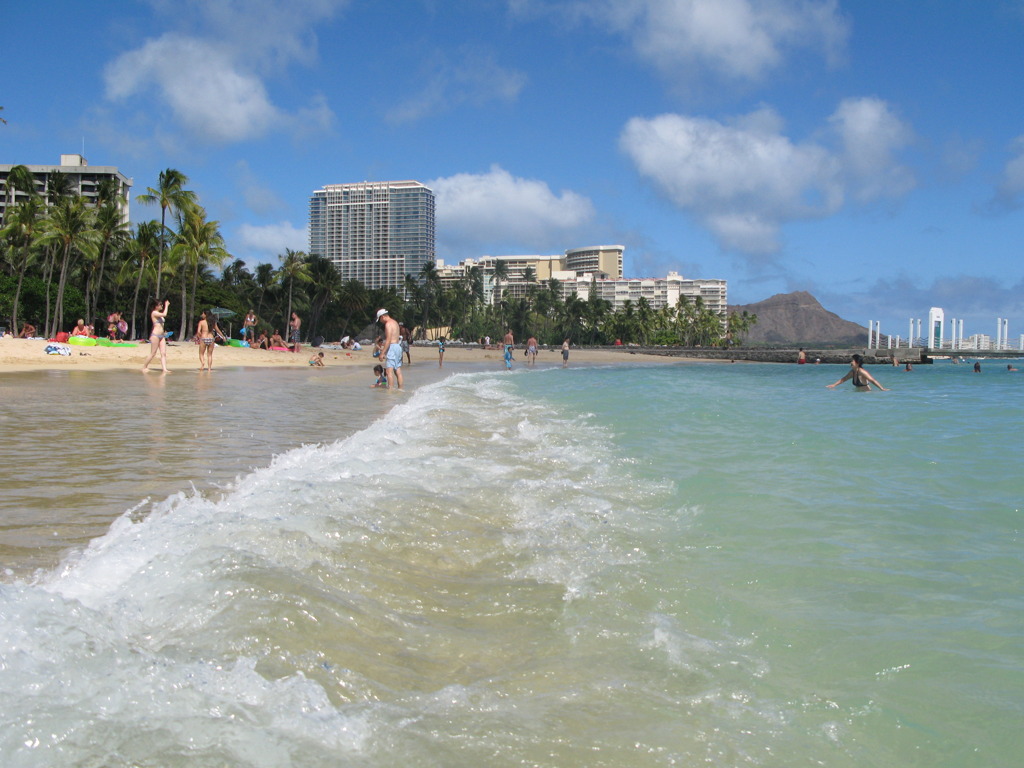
(859, 376)
(158, 338)
(565, 353)
(392, 349)
(531, 351)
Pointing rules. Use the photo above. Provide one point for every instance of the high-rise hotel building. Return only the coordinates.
(376, 232)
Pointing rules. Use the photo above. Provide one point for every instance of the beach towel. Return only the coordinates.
(58, 349)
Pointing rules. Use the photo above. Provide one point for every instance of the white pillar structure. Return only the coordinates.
(910, 334)
(936, 319)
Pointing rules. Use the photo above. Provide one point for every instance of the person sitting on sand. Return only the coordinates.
(317, 360)
(80, 329)
(858, 375)
(276, 340)
(28, 331)
(382, 379)
(262, 342)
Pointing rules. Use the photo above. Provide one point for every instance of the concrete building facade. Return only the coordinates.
(578, 271)
(374, 232)
(85, 180)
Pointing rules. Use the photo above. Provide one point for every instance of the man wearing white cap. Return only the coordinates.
(392, 352)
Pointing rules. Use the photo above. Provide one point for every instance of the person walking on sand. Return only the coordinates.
(294, 333)
(158, 338)
(406, 336)
(392, 349)
(565, 353)
(859, 377)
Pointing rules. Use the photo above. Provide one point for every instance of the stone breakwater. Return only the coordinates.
(754, 355)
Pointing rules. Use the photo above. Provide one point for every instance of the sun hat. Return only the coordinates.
(381, 312)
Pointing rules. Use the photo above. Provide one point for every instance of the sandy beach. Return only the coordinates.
(23, 355)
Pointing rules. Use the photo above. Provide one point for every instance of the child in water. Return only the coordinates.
(382, 379)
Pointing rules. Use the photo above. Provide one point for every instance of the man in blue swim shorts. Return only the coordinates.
(392, 349)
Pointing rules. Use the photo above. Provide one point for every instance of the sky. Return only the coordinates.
(870, 152)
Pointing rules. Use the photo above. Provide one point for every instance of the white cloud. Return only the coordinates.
(1011, 184)
(271, 240)
(739, 39)
(499, 210)
(475, 79)
(205, 91)
(745, 179)
(740, 181)
(213, 78)
(870, 134)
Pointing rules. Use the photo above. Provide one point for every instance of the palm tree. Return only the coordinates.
(500, 275)
(113, 233)
(19, 179)
(431, 283)
(141, 251)
(70, 229)
(170, 193)
(325, 285)
(293, 268)
(264, 278)
(352, 296)
(197, 244)
(22, 229)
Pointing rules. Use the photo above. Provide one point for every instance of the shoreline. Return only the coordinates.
(29, 355)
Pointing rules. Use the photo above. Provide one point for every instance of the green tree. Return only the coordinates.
(69, 228)
(22, 231)
(112, 234)
(352, 298)
(197, 244)
(141, 250)
(323, 289)
(293, 270)
(170, 194)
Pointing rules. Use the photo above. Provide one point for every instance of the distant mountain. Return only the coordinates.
(798, 319)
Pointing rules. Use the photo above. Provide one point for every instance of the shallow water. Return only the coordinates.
(674, 565)
(79, 448)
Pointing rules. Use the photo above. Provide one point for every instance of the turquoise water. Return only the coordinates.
(676, 565)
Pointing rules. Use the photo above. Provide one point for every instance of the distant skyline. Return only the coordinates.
(871, 153)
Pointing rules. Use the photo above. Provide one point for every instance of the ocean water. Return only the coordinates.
(674, 565)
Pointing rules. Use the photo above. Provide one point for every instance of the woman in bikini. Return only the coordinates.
(859, 376)
(207, 332)
(158, 338)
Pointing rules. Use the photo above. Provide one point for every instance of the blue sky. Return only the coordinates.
(871, 153)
